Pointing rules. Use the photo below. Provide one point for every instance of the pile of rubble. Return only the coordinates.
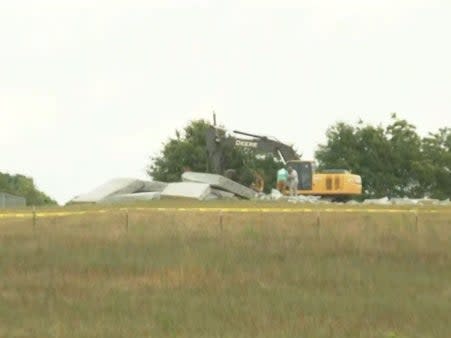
(199, 186)
(406, 201)
(204, 187)
(379, 201)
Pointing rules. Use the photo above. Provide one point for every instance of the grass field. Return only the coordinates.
(206, 274)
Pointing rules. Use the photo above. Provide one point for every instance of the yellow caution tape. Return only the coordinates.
(43, 214)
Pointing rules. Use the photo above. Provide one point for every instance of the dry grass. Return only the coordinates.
(191, 274)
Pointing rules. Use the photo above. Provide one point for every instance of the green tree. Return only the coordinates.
(393, 161)
(405, 148)
(374, 161)
(23, 186)
(362, 149)
(188, 151)
(341, 148)
(435, 172)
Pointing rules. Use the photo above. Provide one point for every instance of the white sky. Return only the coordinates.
(90, 89)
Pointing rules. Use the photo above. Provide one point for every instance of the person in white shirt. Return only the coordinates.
(293, 181)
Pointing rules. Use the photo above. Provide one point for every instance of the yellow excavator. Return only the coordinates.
(336, 184)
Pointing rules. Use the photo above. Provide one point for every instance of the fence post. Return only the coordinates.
(221, 224)
(126, 220)
(221, 229)
(318, 224)
(34, 218)
(416, 221)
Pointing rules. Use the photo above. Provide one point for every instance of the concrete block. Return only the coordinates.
(445, 202)
(112, 187)
(139, 196)
(403, 201)
(304, 199)
(428, 201)
(379, 201)
(152, 186)
(193, 190)
(221, 194)
(219, 182)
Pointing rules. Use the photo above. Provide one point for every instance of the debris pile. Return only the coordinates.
(276, 195)
(198, 191)
(406, 201)
(199, 186)
(205, 187)
(138, 196)
(122, 189)
(220, 183)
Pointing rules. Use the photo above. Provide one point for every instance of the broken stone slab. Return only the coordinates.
(222, 194)
(217, 194)
(112, 187)
(153, 186)
(428, 201)
(219, 182)
(275, 194)
(444, 202)
(379, 201)
(193, 190)
(352, 202)
(403, 201)
(304, 199)
(139, 196)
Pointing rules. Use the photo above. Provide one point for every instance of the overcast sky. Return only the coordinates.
(90, 89)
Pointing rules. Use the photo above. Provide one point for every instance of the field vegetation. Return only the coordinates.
(163, 273)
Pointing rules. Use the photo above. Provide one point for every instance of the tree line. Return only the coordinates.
(393, 161)
(23, 186)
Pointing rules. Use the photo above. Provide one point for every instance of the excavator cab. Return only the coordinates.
(305, 173)
(333, 183)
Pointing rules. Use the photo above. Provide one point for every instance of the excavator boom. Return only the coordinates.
(331, 184)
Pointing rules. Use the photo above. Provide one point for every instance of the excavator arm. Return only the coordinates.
(265, 145)
(217, 142)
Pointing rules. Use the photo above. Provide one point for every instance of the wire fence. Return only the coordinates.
(309, 223)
